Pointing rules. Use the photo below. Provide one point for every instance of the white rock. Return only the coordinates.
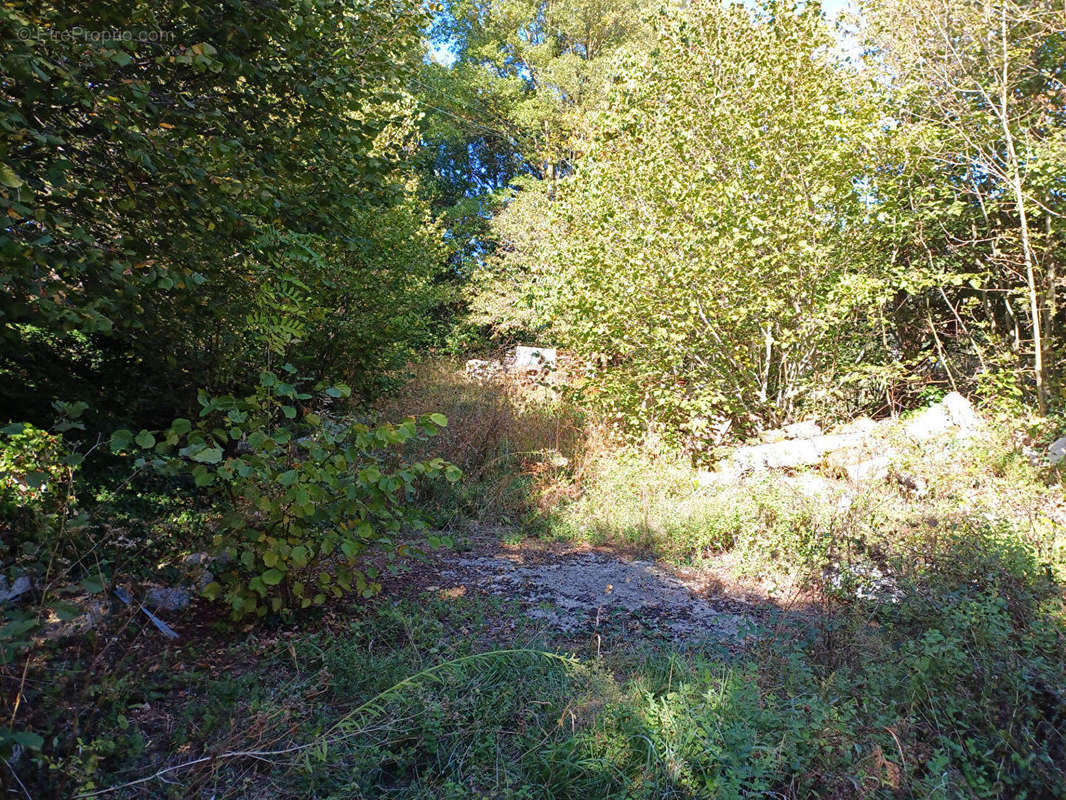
(1056, 451)
(162, 598)
(528, 359)
(953, 412)
(860, 426)
(961, 411)
(934, 421)
(802, 430)
(874, 469)
(791, 453)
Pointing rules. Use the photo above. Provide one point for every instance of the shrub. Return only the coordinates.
(305, 494)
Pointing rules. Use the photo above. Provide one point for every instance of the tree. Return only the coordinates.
(980, 87)
(162, 162)
(511, 97)
(711, 247)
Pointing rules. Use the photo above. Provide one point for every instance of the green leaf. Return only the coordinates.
(28, 739)
(208, 455)
(439, 420)
(66, 611)
(36, 479)
(202, 476)
(272, 577)
(93, 584)
(121, 440)
(145, 439)
(9, 178)
(180, 426)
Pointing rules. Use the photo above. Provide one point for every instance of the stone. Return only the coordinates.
(952, 414)
(802, 430)
(196, 570)
(163, 598)
(861, 426)
(961, 411)
(15, 590)
(873, 469)
(1056, 451)
(932, 422)
(790, 453)
(534, 359)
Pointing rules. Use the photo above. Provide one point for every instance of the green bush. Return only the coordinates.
(305, 494)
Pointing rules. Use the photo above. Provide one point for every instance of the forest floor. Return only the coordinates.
(604, 623)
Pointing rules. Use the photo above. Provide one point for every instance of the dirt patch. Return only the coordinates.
(577, 591)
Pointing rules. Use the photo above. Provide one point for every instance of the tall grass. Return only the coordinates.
(522, 446)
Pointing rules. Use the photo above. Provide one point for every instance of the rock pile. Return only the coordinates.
(858, 450)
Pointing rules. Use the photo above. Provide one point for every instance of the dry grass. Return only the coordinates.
(522, 446)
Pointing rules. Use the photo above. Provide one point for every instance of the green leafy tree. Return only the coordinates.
(140, 170)
(710, 252)
(978, 94)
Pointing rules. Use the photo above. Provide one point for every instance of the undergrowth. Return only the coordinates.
(911, 643)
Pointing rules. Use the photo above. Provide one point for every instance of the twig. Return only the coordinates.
(18, 780)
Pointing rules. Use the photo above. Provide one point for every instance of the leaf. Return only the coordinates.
(439, 420)
(121, 440)
(288, 478)
(93, 584)
(208, 455)
(272, 577)
(66, 611)
(202, 476)
(180, 426)
(28, 739)
(145, 439)
(9, 178)
(36, 479)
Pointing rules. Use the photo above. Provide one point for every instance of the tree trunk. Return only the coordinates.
(1023, 221)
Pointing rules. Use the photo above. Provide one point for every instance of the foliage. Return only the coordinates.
(306, 494)
(144, 170)
(709, 255)
(972, 198)
(509, 92)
